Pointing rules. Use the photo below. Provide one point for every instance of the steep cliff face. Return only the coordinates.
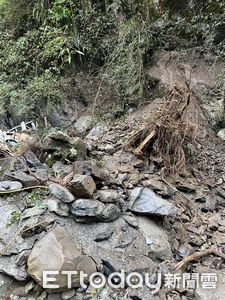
(78, 54)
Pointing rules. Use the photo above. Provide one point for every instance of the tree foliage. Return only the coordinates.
(43, 41)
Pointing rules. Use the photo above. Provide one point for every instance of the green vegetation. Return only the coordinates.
(45, 43)
(34, 199)
(14, 218)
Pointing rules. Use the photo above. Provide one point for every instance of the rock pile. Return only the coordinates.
(107, 212)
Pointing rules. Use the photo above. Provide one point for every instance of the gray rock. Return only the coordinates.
(96, 132)
(210, 204)
(105, 293)
(43, 296)
(14, 297)
(19, 291)
(10, 185)
(57, 251)
(32, 212)
(88, 167)
(110, 149)
(110, 213)
(124, 257)
(57, 206)
(156, 238)
(61, 192)
(25, 179)
(6, 232)
(6, 284)
(125, 250)
(121, 178)
(185, 249)
(10, 266)
(80, 147)
(217, 293)
(29, 287)
(107, 196)
(60, 141)
(9, 225)
(39, 224)
(82, 186)
(56, 139)
(68, 294)
(159, 187)
(83, 124)
(32, 160)
(103, 236)
(185, 185)
(61, 169)
(220, 192)
(55, 296)
(143, 293)
(145, 201)
(41, 173)
(132, 221)
(87, 210)
(59, 120)
(221, 134)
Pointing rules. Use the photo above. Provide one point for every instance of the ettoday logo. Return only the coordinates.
(133, 280)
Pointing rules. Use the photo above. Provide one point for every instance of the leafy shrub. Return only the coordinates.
(41, 41)
(125, 67)
(38, 97)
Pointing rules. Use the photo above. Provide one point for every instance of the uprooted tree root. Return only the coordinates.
(166, 136)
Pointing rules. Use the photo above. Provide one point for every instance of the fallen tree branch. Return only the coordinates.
(213, 250)
(175, 189)
(21, 230)
(138, 150)
(23, 189)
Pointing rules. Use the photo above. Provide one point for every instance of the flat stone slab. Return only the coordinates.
(145, 201)
(10, 185)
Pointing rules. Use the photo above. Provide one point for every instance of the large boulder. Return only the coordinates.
(156, 238)
(62, 144)
(83, 124)
(146, 202)
(56, 251)
(114, 244)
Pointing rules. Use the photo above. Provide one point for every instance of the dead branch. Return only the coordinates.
(23, 189)
(176, 190)
(20, 231)
(213, 250)
(138, 150)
